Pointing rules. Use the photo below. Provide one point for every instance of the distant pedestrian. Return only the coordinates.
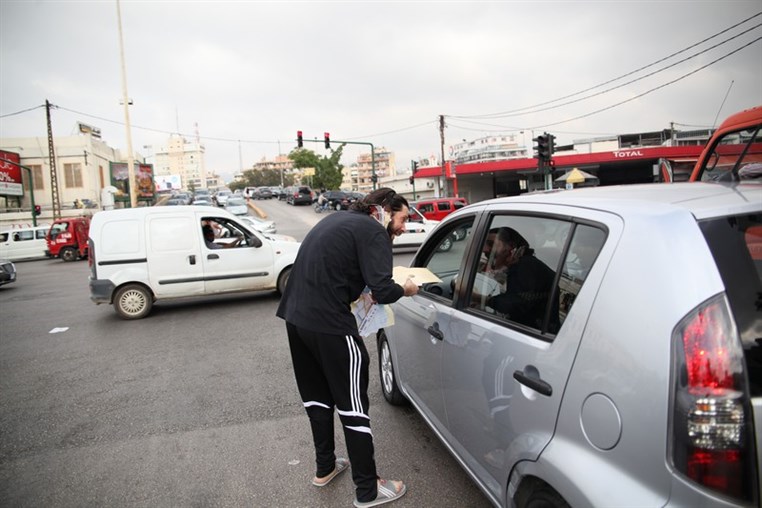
(338, 258)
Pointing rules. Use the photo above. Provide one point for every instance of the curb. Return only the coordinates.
(256, 209)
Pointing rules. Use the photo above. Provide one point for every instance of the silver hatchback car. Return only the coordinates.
(593, 347)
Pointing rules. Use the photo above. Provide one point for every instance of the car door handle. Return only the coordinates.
(212, 256)
(192, 260)
(533, 382)
(435, 331)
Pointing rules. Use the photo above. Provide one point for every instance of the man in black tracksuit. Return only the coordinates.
(342, 254)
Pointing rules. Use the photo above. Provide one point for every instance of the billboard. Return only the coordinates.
(168, 182)
(11, 183)
(143, 178)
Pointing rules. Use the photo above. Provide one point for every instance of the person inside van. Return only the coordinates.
(209, 239)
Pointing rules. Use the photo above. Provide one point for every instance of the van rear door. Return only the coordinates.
(174, 256)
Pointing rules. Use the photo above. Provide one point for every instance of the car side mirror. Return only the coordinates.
(253, 241)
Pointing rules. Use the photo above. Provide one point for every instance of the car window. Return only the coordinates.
(444, 205)
(41, 234)
(585, 246)
(736, 245)
(458, 204)
(425, 207)
(3, 237)
(444, 254)
(516, 278)
(21, 236)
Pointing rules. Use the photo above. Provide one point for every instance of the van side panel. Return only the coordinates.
(174, 261)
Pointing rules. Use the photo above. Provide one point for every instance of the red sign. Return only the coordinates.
(10, 174)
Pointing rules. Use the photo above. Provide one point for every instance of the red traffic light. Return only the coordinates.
(299, 140)
(327, 138)
(37, 210)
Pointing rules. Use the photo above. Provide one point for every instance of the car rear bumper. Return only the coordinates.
(101, 290)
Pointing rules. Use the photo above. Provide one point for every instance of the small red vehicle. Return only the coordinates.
(67, 238)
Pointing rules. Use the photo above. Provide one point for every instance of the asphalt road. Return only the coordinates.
(195, 405)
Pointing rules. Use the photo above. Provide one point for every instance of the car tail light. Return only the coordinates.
(712, 440)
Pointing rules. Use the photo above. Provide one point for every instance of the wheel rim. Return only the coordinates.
(387, 372)
(132, 302)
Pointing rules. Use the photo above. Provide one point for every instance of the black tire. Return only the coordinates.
(545, 497)
(386, 372)
(446, 244)
(69, 254)
(133, 301)
(283, 280)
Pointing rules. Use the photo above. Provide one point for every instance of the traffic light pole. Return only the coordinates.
(373, 177)
(31, 188)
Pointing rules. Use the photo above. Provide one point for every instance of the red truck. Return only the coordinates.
(67, 238)
(735, 150)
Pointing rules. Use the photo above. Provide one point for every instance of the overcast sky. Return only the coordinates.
(250, 74)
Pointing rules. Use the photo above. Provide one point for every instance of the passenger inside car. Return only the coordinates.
(525, 281)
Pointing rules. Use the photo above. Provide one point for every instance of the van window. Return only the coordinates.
(41, 234)
(443, 205)
(3, 237)
(21, 236)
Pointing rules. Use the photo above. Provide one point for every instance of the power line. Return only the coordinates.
(22, 111)
(633, 80)
(523, 110)
(648, 91)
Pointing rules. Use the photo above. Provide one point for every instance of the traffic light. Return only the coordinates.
(327, 139)
(299, 140)
(543, 147)
(374, 178)
(37, 210)
(414, 166)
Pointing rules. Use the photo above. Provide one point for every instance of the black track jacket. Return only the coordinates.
(342, 254)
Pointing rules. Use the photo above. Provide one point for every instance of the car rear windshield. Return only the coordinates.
(736, 244)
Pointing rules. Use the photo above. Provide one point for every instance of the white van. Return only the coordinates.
(142, 255)
(24, 243)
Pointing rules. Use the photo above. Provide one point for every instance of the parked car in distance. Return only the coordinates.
(262, 193)
(202, 201)
(439, 208)
(351, 198)
(261, 225)
(175, 202)
(221, 196)
(237, 206)
(284, 192)
(417, 228)
(183, 196)
(7, 272)
(24, 243)
(734, 151)
(566, 358)
(300, 195)
(335, 198)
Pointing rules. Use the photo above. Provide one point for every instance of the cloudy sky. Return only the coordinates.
(247, 75)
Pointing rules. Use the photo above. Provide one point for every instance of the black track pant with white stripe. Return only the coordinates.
(332, 371)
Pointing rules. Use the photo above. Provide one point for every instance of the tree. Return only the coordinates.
(328, 170)
(262, 178)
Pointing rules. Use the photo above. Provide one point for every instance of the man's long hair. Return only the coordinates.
(385, 197)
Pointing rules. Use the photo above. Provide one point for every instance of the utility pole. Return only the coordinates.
(53, 172)
(445, 193)
(126, 101)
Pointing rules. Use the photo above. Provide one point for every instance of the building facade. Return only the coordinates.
(82, 169)
(186, 159)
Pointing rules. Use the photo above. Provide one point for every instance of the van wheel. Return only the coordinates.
(133, 301)
(392, 393)
(283, 280)
(69, 254)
